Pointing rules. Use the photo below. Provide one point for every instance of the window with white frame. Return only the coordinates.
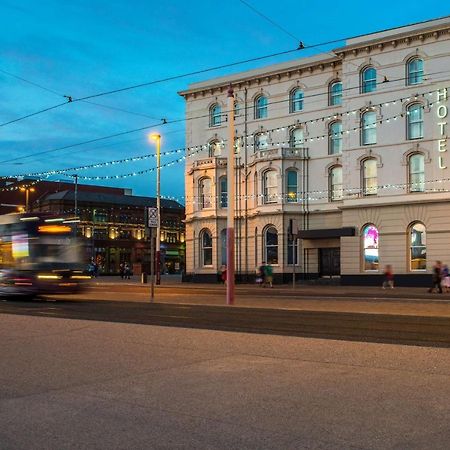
(206, 248)
(369, 128)
(261, 107)
(418, 247)
(215, 115)
(292, 186)
(223, 188)
(270, 186)
(414, 121)
(414, 71)
(369, 177)
(270, 250)
(215, 148)
(296, 139)
(368, 80)
(335, 138)
(335, 93)
(417, 173)
(371, 242)
(261, 141)
(296, 100)
(205, 193)
(335, 183)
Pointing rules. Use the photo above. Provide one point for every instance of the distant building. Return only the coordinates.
(111, 221)
(350, 145)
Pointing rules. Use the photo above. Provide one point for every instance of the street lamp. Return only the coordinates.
(157, 138)
(27, 191)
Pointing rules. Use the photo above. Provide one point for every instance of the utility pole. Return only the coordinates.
(76, 195)
(231, 199)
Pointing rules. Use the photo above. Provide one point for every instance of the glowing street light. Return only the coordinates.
(27, 191)
(157, 138)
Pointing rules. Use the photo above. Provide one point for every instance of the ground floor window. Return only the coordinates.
(418, 247)
(371, 243)
(271, 245)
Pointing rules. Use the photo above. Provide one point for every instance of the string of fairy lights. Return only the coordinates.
(193, 150)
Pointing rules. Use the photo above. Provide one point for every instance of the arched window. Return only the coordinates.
(223, 247)
(215, 115)
(270, 186)
(335, 138)
(215, 148)
(261, 107)
(369, 128)
(414, 71)
(335, 183)
(369, 177)
(204, 194)
(223, 188)
(371, 244)
(206, 247)
(417, 173)
(292, 186)
(368, 80)
(296, 100)
(261, 141)
(296, 139)
(335, 93)
(418, 247)
(271, 245)
(414, 121)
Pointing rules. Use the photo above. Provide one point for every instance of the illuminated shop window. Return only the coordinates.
(418, 247)
(370, 247)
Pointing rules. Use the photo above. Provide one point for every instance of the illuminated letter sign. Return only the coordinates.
(442, 113)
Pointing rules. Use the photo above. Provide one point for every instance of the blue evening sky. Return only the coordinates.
(83, 47)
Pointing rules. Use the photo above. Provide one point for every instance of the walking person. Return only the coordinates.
(388, 277)
(445, 275)
(122, 270)
(259, 276)
(436, 278)
(127, 271)
(268, 275)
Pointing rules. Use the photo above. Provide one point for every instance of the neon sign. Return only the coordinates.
(442, 113)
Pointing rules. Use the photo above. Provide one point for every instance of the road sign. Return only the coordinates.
(152, 217)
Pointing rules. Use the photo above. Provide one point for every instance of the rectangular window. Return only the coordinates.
(292, 186)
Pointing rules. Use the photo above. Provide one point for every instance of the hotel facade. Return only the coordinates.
(342, 162)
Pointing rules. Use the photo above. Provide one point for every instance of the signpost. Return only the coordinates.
(152, 224)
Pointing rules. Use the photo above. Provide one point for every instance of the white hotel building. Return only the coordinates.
(350, 146)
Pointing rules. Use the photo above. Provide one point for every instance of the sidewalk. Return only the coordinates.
(300, 290)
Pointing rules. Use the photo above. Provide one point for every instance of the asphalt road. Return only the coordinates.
(280, 313)
(77, 384)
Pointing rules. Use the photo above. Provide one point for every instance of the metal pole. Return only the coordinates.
(76, 195)
(152, 265)
(231, 199)
(158, 206)
(294, 241)
(27, 193)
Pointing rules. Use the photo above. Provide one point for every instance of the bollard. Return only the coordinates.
(144, 278)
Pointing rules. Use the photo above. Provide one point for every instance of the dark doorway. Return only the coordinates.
(329, 262)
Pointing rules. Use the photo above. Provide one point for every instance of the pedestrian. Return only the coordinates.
(127, 271)
(259, 276)
(445, 276)
(436, 278)
(262, 272)
(122, 270)
(223, 274)
(268, 275)
(388, 277)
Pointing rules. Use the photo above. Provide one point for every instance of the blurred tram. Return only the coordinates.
(39, 254)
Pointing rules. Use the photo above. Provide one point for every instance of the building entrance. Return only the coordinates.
(329, 262)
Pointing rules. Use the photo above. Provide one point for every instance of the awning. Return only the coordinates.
(326, 233)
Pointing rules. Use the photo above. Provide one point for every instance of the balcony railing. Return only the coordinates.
(280, 153)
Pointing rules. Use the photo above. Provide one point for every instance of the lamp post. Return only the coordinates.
(27, 191)
(157, 138)
(231, 199)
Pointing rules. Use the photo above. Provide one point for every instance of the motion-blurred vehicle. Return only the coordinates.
(39, 255)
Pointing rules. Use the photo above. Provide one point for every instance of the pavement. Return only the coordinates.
(345, 299)
(76, 384)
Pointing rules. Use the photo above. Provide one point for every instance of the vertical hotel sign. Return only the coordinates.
(442, 113)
